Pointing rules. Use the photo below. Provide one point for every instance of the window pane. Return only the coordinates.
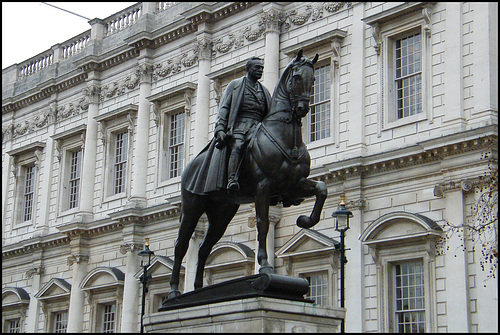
(408, 66)
(121, 145)
(28, 191)
(13, 325)
(60, 322)
(410, 312)
(108, 318)
(319, 115)
(74, 179)
(176, 144)
(318, 288)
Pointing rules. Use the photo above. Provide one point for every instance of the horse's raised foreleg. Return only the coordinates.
(219, 216)
(262, 200)
(308, 188)
(193, 206)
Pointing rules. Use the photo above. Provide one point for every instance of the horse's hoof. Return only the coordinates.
(174, 294)
(266, 269)
(304, 222)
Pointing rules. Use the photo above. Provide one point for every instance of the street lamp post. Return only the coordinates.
(145, 263)
(341, 217)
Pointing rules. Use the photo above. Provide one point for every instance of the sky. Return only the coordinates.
(29, 28)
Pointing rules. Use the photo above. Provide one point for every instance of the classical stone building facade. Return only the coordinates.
(97, 129)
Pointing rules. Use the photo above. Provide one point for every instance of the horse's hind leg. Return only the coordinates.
(219, 216)
(308, 188)
(193, 206)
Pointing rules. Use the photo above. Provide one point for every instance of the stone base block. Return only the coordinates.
(249, 315)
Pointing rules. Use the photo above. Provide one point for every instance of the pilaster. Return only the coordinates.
(140, 152)
(79, 260)
(131, 287)
(272, 19)
(204, 50)
(89, 153)
(34, 274)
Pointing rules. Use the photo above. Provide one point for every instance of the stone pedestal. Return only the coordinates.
(249, 315)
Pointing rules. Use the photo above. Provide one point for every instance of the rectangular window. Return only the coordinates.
(318, 288)
(176, 144)
(408, 52)
(120, 167)
(12, 326)
(28, 192)
(108, 318)
(74, 178)
(319, 126)
(410, 302)
(60, 322)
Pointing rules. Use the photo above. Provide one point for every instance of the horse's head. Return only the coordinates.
(300, 83)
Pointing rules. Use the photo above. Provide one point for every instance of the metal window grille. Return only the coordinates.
(60, 322)
(108, 318)
(409, 75)
(29, 189)
(74, 178)
(410, 300)
(176, 144)
(318, 288)
(121, 144)
(13, 326)
(319, 126)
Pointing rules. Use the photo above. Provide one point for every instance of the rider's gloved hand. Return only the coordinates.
(220, 139)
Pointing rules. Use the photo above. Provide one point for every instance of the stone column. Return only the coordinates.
(456, 267)
(89, 153)
(131, 289)
(32, 321)
(273, 18)
(204, 48)
(140, 152)
(79, 261)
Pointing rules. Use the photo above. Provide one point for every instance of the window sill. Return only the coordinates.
(405, 121)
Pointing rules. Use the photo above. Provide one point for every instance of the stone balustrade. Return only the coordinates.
(123, 19)
(37, 63)
(75, 45)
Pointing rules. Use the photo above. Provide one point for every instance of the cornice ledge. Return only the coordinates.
(34, 243)
(395, 12)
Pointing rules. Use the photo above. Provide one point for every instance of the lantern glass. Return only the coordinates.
(341, 222)
(146, 253)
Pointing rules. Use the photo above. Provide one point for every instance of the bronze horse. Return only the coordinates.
(275, 169)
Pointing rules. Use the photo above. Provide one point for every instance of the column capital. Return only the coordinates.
(78, 258)
(130, 247)
(204, 47)
(272, 19)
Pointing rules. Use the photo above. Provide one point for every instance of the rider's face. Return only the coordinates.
(255, 69)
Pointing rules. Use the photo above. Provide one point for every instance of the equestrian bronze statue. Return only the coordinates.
(274, 169)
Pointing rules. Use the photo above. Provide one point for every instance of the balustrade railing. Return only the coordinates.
(36, 63)
(75, 45)
(163, 5)
(123, 19)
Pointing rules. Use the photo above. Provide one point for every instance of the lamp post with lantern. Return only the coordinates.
(341, 217)
(146, 255)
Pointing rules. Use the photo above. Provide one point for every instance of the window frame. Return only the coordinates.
(23, 157)
(66, 142)
(167, 145)
(307, 127)
(120, 120)
(53, 320)
(325, 272)
(386, 27)
(165, 103)
(390, 110)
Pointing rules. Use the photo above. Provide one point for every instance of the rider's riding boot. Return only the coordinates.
(232, 183)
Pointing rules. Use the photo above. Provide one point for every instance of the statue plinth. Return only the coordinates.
(263, 303)
(260, 285)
